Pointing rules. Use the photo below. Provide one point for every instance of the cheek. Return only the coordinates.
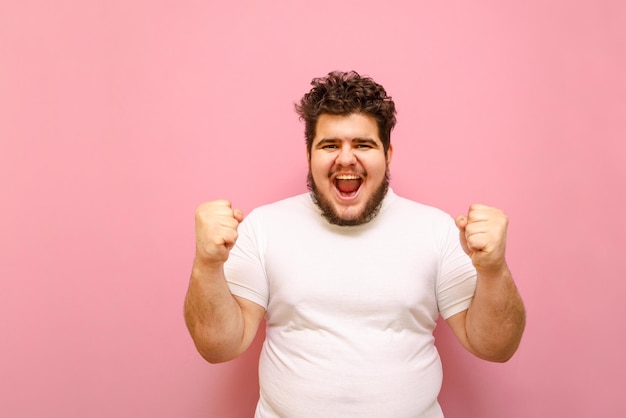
(376, 168)
(321, 166)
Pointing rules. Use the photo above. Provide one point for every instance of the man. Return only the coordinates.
(350, 278)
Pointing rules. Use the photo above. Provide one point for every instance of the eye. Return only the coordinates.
(329, 146)
(363, 146)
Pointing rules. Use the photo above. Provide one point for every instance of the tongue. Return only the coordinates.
(348, 186)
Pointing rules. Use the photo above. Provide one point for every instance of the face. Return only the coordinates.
(348, 168)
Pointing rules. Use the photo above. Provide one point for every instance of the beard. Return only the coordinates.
(368, 213)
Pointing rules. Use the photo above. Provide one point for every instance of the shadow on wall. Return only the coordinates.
(235, 395)
(473, 387)
(458, 376)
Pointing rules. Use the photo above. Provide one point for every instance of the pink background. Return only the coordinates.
(117, 118)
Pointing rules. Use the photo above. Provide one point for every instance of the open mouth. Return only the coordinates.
(348, 184)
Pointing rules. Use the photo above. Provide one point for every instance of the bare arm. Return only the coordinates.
(493, 325)
(221, 325)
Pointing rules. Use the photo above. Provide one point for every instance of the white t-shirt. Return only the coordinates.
(350, 310)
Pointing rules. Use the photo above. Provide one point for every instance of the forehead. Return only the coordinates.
(346, 127)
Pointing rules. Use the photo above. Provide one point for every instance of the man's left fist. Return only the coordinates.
(483, 237)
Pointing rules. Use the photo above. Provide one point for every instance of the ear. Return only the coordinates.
(389, 154)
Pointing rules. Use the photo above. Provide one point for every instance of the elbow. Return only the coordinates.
(213, 358)
(498, 353)
(499, 346)
(214, 350)
(502, 357)
(493, 356)
(211, 347)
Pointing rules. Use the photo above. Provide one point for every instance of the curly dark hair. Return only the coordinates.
(343, 93)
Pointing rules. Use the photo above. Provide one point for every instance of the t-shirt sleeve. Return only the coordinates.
(244, 269)
(457, 276)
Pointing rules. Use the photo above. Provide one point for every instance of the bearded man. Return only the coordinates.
(350, 278)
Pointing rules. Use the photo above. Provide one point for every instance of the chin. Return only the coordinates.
(348, 214)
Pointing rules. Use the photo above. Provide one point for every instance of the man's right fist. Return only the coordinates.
(216, 231)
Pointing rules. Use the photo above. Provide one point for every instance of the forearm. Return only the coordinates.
(496, 317)
(213, 316)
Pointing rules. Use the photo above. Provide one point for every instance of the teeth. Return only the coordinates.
(347, 177)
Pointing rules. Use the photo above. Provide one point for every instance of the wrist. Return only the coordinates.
(493, 272)
(203, 265)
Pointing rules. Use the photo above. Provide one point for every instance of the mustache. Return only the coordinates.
(362, 174)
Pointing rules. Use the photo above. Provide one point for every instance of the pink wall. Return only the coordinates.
(118, 117)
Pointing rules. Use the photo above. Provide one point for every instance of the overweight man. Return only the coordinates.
(350, 277)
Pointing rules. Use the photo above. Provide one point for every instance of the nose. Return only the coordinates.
(346, 155)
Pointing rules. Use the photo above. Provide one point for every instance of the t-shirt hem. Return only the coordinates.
(456, 308)
(247, 293)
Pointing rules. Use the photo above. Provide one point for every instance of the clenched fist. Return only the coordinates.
(216, 231)
(483, 237)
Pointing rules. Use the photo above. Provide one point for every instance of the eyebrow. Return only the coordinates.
(368, 141)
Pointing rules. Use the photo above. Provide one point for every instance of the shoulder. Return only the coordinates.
(282, 210)
(411, 210)
(288, 204)
(419, 222)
